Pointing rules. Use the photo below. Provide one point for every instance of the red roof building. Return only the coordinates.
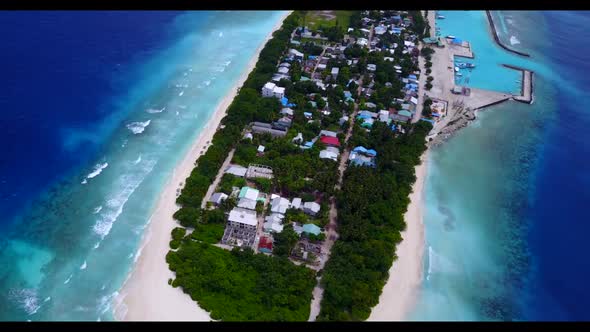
(265, 244)
(330, 141)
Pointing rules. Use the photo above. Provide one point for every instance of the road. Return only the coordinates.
(217, 178)
(332, 235)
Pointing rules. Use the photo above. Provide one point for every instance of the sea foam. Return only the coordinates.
(514, 41)
(98, 168)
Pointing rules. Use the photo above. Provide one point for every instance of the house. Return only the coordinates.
(367, 114)
(279, 205)
(249, 193)
(311, 229)
(405, 113)
(390, 59)
(259, 129)
(362, 41)
(334, 72)
(328, 133)
(274, 223)
(297, 228)
(307, 115)
(457, 90)
(283, 123)
(343, 120)
(371, 67)
(246, 203)
(236, 170)
(248, 135)
(370, 105)
(399, 117)
(384, 116)
(360, 156)
(296, 203)
(330, 141)
(287, 111)
(330, 153)
(311, 208)
(379, 30)
(414, 101)
(265, 245)
(217, 198)
(296, 54)
(272, 90)
(367, 123)
(283, 70)
(260, 149)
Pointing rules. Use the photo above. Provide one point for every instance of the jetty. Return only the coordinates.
(497, 38)
(526, 88)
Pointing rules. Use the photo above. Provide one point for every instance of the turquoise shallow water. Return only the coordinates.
(477, 261)
(473, 26)
(66, 256)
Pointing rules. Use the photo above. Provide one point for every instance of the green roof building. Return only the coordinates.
(312, 229)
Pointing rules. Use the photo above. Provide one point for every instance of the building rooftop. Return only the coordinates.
(243, 216)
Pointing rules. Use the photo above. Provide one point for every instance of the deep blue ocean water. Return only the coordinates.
(505, 197)
(97, 109)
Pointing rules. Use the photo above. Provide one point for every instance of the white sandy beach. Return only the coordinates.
(405, 276)
(146, 294)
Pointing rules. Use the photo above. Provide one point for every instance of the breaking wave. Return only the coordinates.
(95, 172)
(138, 127)
(128, 183)
(83, 266)
(27, 299)
(153, 110)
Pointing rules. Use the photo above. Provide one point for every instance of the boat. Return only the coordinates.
(440, 17)
(456, 69)
(470, 65)
(451, 37)
(459, 74)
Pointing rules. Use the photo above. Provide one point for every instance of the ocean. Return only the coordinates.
(97, 109)
(504, 198)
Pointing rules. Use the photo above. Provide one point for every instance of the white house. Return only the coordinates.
(272, 90)
(362, 42)
(295, 53)
(371, 67)
(311, 208)
(296, 203)
(279, 205)
(335, 71)
(330, 153)
(246, 203)
(236, 170)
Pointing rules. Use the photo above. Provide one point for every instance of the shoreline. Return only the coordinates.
(146, 295)
(400, 293)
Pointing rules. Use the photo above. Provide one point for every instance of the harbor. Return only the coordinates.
(455, 63)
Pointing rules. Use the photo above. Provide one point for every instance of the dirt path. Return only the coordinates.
(217, 178)
(332, 235)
